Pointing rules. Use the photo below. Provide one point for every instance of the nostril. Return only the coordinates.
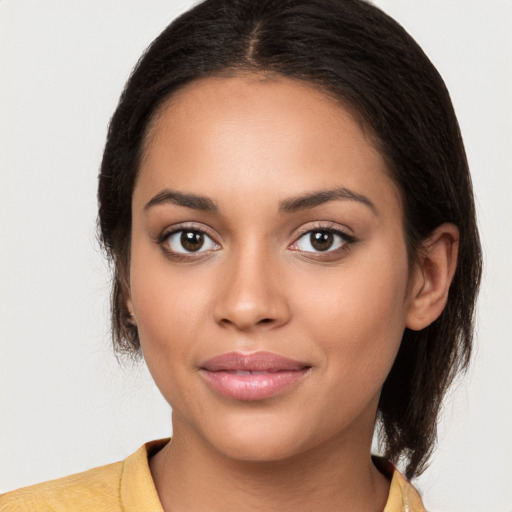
(265, 321)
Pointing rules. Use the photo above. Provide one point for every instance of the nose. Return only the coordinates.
(251, 293)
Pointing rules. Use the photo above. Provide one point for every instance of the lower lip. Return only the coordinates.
(252, 387)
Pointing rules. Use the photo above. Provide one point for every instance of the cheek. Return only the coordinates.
(170, 308)
(169, 314)
(357, 316)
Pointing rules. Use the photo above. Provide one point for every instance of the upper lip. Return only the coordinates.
(255, 362)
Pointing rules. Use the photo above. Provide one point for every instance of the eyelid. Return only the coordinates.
(336, 229)
(327, 226)
(183, 226)
(186, 226)
(331, 226)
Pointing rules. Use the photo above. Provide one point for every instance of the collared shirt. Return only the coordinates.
(127, 486)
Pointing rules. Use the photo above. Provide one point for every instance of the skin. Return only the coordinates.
(249, 144)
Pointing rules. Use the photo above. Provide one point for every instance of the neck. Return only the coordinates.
(336, 475)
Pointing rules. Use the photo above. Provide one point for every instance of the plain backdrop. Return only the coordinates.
(66, 403)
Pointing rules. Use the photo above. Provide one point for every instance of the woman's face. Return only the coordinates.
(269, 272)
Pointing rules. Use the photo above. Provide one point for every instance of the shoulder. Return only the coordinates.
(403, 497)
(123, 486)
(96, 489)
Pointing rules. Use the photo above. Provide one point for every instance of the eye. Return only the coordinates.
(189, 241)
(321, 240)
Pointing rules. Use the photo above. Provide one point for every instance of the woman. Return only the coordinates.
(286, 199)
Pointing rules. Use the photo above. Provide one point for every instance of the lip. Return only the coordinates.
(251, 377)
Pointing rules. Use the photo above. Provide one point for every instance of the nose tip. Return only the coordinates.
(248, 316)
(252, 298)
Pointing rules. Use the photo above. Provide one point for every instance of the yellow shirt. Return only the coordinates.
(127, 486)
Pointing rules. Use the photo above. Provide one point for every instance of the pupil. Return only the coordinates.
(192, 241)
(321, 240)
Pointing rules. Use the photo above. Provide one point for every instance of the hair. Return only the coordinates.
(357, 54)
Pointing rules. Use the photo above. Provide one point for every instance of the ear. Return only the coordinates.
(131, 311)
(127, 297)
(433, 276)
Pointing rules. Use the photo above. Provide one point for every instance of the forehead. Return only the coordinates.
(250, 131)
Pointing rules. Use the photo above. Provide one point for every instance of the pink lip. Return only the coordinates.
(251, 377)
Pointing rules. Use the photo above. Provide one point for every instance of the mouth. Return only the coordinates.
(251, 377)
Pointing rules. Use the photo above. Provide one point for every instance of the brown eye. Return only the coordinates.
(192, 241)
(321, 240)
(186, 241)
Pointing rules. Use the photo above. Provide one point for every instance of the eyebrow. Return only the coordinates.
(302, 202)
(310, 200)
(188, 200)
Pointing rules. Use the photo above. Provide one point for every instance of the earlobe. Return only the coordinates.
(129, 303)
(433, 276)
(129, 307)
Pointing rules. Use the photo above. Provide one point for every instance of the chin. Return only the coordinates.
(260, 441)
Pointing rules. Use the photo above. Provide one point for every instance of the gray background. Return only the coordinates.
(65, 402)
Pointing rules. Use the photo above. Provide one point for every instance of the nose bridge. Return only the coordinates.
(251, 292)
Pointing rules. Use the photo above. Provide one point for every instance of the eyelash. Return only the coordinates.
(345, 243)
(185, 255)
